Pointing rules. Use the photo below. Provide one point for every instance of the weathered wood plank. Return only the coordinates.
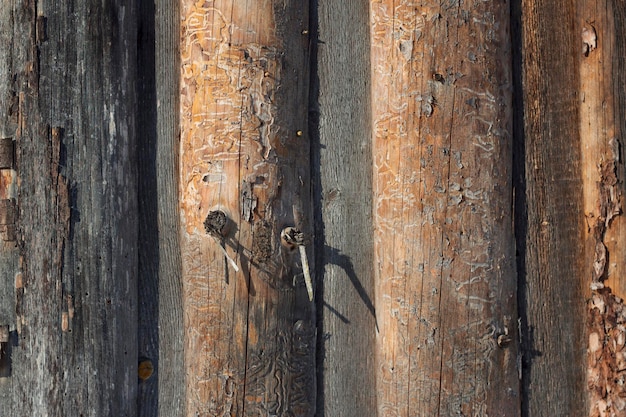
(149, 201)
(443, 238)
(74, 68)
(343, 197)
(171, 369)
(550, 217)
(602, 126)
(249, 333)
(11, 43)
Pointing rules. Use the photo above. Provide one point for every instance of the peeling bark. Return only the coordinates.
(606, 354)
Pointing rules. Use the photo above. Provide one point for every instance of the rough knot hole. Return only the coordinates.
(215, 223)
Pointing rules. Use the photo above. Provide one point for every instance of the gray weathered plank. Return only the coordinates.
(171, 370)
(343, 227)
(549, 216)
(249, 328)
(148, 205)
(11, 57)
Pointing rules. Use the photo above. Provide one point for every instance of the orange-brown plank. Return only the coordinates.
(601, 142)
(249, 335)
(444, 253)
(600, 145)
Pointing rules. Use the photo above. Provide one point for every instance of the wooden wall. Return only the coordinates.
(456, 169)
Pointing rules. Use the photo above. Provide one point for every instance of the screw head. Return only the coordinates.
(504, 340)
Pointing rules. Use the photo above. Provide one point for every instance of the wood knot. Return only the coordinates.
(215, 223)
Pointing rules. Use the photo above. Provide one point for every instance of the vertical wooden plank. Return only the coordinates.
(249, 341)
(149, 197)
(602, 162)
(443, 239)
(553, 278)
(343, 167)
(600, 153)
(12, 38)
(76, 352)
(171, 369)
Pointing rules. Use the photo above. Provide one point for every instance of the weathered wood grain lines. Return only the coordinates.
(249, 335)
(443, 237)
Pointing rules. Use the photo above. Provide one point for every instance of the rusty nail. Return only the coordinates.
(293, 237)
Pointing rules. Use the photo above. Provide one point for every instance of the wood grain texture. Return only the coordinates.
(554, 279)
(171, 369)
(73, 67)
(150, 199)
(10, 59)
(249, 335)
(443, 238)
(343, 226)
(601, 159)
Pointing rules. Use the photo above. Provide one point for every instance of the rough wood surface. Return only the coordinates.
(72, 68)
(249, 333)
(443, 238)
(9, 253)
(171, 369)
(554, 279)
(150, 199)
(343, 225)
(601, 153)
(602, 158)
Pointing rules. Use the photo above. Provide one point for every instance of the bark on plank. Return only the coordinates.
(150, 199)
(602, 165)
(554, 279)
(343, 165)
(443, 241)
(249, 341)
(76, 351)
(601, 139)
